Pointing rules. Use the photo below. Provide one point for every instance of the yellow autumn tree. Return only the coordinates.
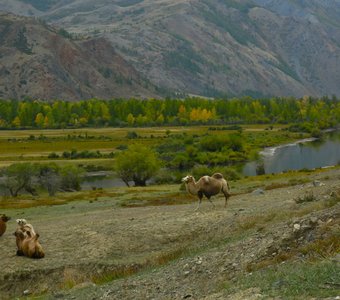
(39, 120)
(201, 115)
(16, 122)
(130, 119)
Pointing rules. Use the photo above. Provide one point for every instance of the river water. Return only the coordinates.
(304, 154)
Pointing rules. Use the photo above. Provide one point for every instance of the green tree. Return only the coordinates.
(71, 178)
(20, 177)
(49, 177)
(138, 164)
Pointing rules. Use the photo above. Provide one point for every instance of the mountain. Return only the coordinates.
(212, 47)
(39, 61)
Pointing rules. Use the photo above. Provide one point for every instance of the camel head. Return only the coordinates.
(4, 218)
(21, 222)
(188, 179)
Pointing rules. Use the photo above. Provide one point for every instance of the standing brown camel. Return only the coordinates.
(207, 186)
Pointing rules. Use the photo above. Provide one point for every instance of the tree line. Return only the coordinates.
(323, 112)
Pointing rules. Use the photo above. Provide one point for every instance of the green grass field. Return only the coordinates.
(36, 145)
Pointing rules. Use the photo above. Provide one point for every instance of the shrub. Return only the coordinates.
(308, 197)
(53, 155)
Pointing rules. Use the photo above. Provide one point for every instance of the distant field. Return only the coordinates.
(36, 145)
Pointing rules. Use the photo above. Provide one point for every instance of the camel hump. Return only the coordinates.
(217, 176)
(205, 179)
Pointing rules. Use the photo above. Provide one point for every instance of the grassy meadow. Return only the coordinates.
(36, 145)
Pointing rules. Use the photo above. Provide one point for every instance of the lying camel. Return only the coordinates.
(207, 186)
(24, 226)
(3, 225)
(28, 245)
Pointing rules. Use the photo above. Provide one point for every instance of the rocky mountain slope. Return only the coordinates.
(39, 62)
(233, 47)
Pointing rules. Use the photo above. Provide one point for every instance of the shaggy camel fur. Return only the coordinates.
(28, 245)
(24, 226)
(207, 186)
(3, 225)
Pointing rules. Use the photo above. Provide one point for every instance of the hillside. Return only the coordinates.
(39, 61)
(233, 47)
(130, 243)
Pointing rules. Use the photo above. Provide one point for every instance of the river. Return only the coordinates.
(304, 154)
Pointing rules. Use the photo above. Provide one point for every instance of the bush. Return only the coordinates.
(228, 173)
(165, 177)
(200, 170)
(71, 177)
(53, 155)
(132, 135)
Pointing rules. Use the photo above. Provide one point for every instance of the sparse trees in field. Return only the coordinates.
(30, 178)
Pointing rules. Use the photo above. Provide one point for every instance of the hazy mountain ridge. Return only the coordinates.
(259, 47)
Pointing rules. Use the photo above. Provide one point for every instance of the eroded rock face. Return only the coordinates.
(283, 48)
(38, 62)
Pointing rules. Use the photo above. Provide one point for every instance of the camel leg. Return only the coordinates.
(200, 196)
(211, 202)
(199, 204)
(226, 195)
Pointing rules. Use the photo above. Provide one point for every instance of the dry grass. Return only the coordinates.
(62, 198)
(168, 199)
(326, 245)
(127, 270)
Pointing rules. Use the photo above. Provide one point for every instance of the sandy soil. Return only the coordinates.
(86, 240)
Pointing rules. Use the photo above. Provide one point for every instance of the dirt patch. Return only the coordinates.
(165, 252)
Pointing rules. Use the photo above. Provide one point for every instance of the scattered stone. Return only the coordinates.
(313, 220)
(84, 284)
(318, 183)
(199, 260)
(258, 192)
(186, 273)
(320, 222)
(297, 227)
